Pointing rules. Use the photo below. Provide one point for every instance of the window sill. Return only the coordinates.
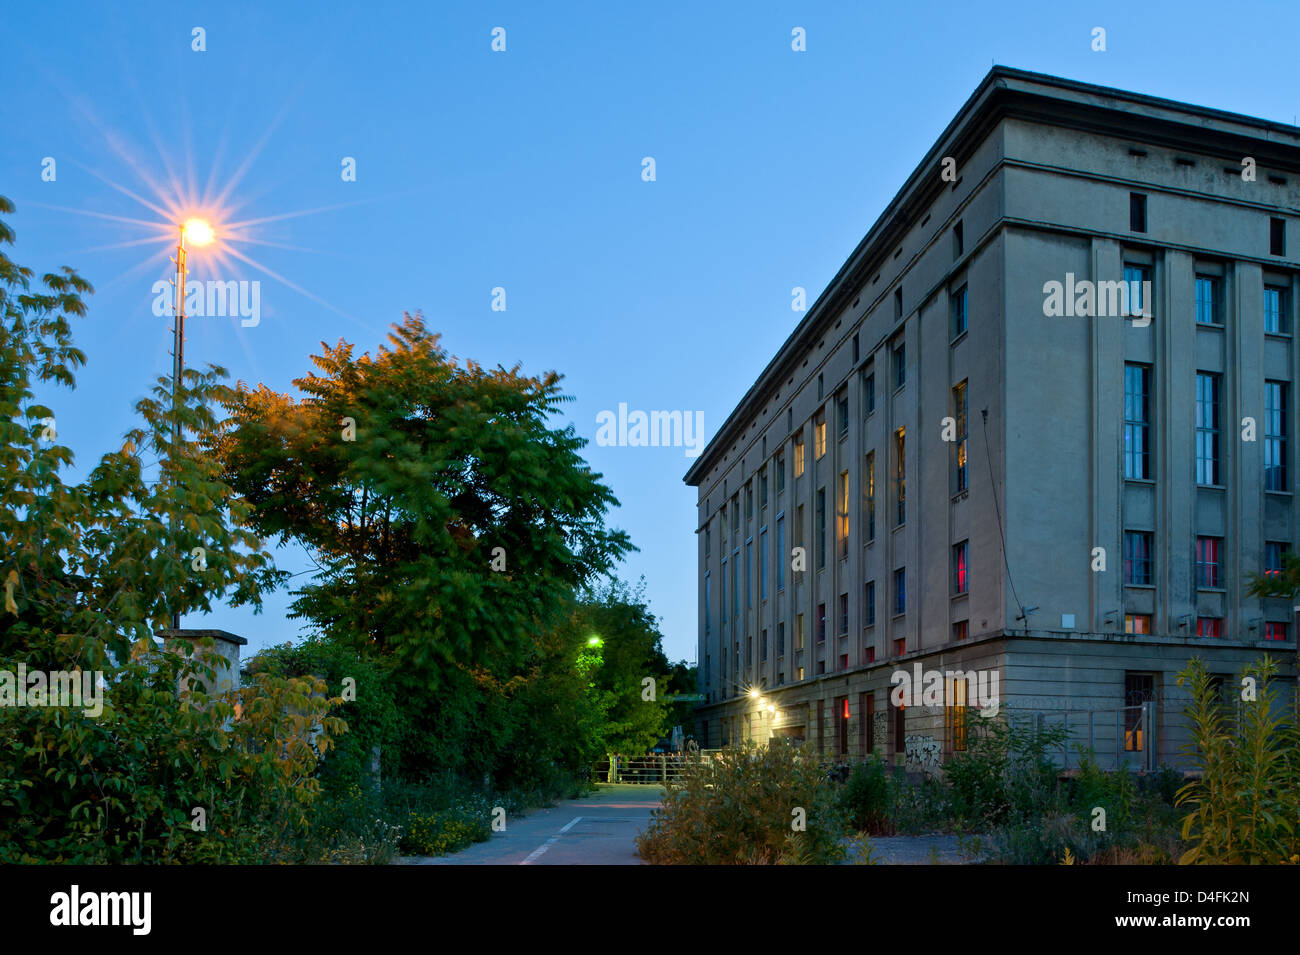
(964, 593)
(960, 495)
(1212, 487)
(1278, 493)
(955, 341)
(1281, 336)
(1139, 586)
(1149, 482)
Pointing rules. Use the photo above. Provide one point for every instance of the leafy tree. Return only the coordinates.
(631, 651)
(90, 570)
(449, 520)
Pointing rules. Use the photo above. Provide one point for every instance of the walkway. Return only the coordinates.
(599, 829)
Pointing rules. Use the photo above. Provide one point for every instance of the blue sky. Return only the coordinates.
(522, 170)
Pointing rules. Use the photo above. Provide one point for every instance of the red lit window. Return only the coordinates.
(1209, 626)
(1274, 631)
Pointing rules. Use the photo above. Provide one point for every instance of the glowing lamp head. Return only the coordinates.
(198, 232)
(753, 693)
(593, 641)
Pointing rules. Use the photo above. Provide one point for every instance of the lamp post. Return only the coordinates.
(200, 234)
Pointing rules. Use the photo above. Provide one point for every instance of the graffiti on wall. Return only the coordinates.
(921, 753)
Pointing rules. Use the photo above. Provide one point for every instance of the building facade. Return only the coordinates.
(1037, 428)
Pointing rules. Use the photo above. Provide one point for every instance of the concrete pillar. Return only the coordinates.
(222, 656)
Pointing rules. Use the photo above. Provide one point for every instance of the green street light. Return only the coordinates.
(594, 641)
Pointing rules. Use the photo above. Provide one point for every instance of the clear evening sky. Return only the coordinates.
(523, 170)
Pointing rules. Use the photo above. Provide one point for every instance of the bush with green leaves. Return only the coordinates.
(749, 804)
(1245, 805)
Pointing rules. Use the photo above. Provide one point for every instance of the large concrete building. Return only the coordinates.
(986, 471)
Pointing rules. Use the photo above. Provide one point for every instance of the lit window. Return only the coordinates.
(798, 455)
(959, 555)
(1209, 566)
(1209, 626)
(842, 516)
(819, 436)
(959, 406)
(900, 591)
(1137, 623)
(1274, 631)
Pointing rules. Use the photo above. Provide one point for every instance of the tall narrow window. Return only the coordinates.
(780, 475)
(869, 392)
(799, 541)
(1275, 310)
(959, 407)
(869, 603)
(900, 591)
(960, 553)
(898, 303)
(900, 364)
(870, 480)
(842, 415)
(821, 623)
(1207, 428)
(763, 646)
(1277, 237)
(708, 538)
(1137, 558)
(1137, 421)
(900, 473)
(844, 615)
(780, 639)
(819, 436)
(762, 564)
(1137, 212)
(1273, 562)
(762, 489)
(798, 633)
(723, 596)
(821, 527)
(958, 240)
(959, 312)
(842, 517)
(1207, 301)
(1209, 563)
(708, 604)
(1275, 436)
(735, 583)
(1137, 282)
(955, 715)
(798, 455)
(781, 556)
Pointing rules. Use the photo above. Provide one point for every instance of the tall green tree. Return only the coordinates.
(89, 570)
(449, 519)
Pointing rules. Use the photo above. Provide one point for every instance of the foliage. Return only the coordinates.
(743, 807)
(868, 799)
(369, 704)
(124, 786)
(91, 571)
(1245, 807)
(447, 464)
(1005, 773)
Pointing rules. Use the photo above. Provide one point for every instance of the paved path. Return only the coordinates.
(599, 829)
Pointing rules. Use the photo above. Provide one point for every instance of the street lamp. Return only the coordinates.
(199, 233)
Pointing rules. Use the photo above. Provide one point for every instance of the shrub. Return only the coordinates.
(742, 807)
(1245, 807)
(867, 799)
